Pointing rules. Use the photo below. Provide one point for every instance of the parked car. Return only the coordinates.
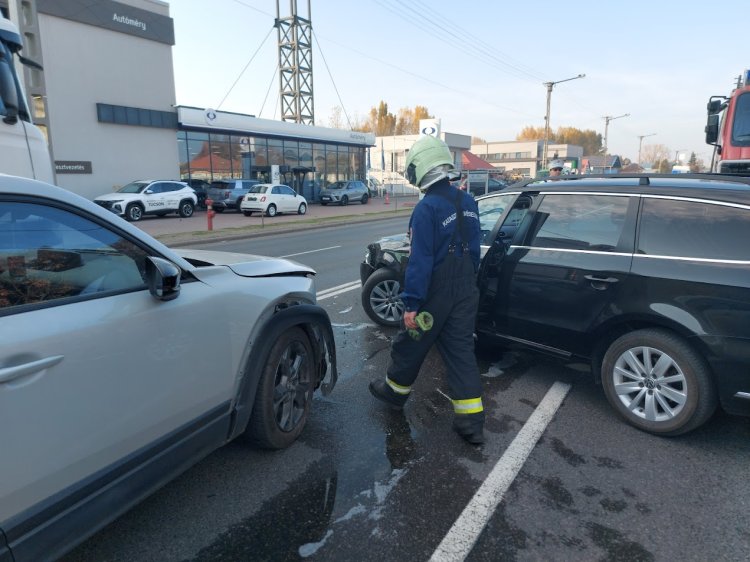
(124, 362)
(228, 194)
(273, 199)
(149, 197)
(201, 190)
(478, 187)
(646, 278)
(344, 192)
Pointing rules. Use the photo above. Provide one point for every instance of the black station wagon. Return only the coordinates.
(647, 278)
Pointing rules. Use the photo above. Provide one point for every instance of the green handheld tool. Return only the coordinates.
(424, 323)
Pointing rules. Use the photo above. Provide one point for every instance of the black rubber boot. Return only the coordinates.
(471, 430)
(380, 390)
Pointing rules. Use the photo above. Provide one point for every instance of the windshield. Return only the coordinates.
(133, 187)
(258, 188)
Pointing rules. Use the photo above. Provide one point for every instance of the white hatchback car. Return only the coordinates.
(123, 362)
(273, 199)
(148, 197)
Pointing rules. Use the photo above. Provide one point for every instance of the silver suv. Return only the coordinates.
(150, 197)
(344, 192)
(108, 389)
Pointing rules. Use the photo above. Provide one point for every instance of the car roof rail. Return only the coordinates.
(644, 178)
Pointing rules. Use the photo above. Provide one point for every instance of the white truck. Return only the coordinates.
(23, 147)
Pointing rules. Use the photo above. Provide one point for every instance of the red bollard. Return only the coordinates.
(210, 213)
(387, 199)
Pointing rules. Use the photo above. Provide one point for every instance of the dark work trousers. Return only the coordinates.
(452, 300)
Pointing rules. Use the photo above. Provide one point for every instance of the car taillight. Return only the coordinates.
(262, 199)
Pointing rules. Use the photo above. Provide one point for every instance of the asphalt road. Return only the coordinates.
(366, 483)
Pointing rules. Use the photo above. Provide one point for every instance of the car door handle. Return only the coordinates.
(8, 374)
(600, 283)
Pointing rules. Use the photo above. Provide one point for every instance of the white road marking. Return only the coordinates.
(338, 289)
(310, 252)
(462, 536)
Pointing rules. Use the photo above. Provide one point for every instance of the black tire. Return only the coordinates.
(285, 392)
(675, 399)
(302, 209)
(365, 198)
(187, 208)
(238, 205)
(247, 213)
(380, 297)
(271, 210)
(324, 204)
(134, 212)
(219, 209)
(344, 200)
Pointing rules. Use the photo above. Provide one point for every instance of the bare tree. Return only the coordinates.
(654, 153)
(336, 119)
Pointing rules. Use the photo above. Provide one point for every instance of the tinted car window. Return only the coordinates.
(579, 222)
(490, 210)
(286, 190)
(694, 230)
(49, 254)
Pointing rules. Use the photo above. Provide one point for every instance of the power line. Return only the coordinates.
(487, 50)
(268, 91)
(331, 77)
(244, 69)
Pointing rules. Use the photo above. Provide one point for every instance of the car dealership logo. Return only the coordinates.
(210, 116)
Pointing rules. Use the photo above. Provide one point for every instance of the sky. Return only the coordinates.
(479, 66)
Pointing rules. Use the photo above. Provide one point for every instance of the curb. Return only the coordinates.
(181, 239)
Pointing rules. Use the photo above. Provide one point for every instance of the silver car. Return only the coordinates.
(345, 192)
(123, 362)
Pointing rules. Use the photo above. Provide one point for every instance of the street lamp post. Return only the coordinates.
(607, 119)
(640, 142)
(549, 86)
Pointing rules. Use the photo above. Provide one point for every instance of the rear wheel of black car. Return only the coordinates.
(186, 209)
(380, 297)
(658, 383)
(238, 204)
(134, 212)
(219, 209)
(324, 204)
(285, 392)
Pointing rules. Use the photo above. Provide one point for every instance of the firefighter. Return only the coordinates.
(440, 280)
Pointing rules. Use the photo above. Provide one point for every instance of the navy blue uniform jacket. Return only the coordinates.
(432, 225)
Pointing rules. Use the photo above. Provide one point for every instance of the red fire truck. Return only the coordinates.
(728, 129)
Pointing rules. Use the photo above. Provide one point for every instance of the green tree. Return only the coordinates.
(665, 166)
(693, 163)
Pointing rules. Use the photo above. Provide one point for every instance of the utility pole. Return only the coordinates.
(640, 142)
(549, 86)
(607, 119)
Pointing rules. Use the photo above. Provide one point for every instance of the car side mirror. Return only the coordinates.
(712, 129)
(147, 191)
(162, 278)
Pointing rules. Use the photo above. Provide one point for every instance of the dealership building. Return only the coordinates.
(106, 101)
